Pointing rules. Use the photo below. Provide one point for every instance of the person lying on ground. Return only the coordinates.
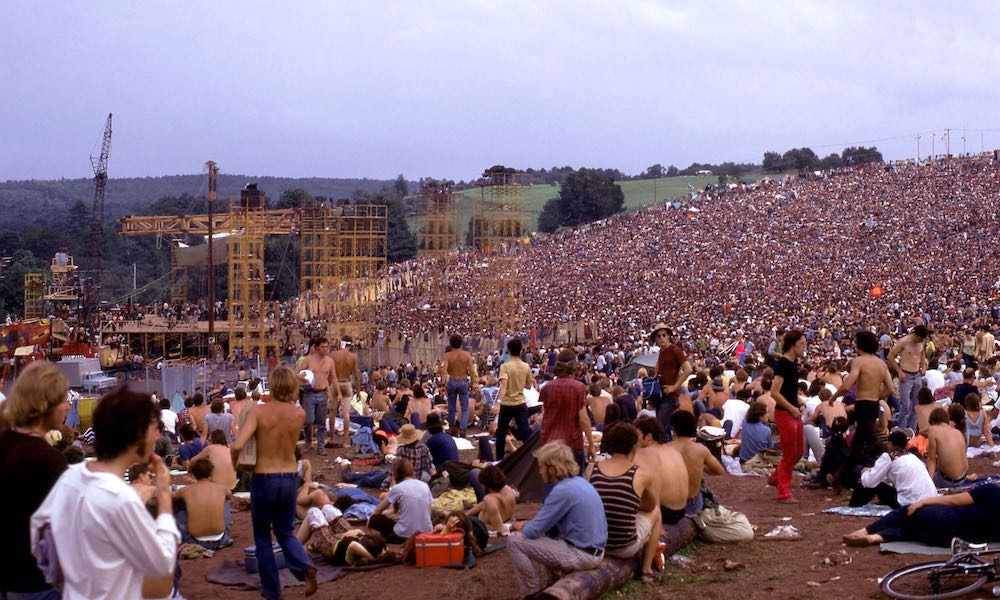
(568, 533)
(947, 462)
(898, 477)
(326, 532)
(309, 494)
(497, 506)
(698, 459)
(204, 519)
(222, 461)
(934, 521)
(666, 466)
(631, 502)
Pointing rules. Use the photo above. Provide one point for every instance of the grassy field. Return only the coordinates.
(638, 193)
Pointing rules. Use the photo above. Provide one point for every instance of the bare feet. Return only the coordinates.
(311, 585)
(861, 537)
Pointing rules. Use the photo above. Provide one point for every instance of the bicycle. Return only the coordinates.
(969, 568)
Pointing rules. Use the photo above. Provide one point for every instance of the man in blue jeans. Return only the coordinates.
(910, 369)
(457, 370)
(274, 487)
(320, 391)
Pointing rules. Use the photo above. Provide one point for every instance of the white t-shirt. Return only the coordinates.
(736, 411)
(908, 474)
(106, 539)
(169, 419)
(413, 497)
(935, 379)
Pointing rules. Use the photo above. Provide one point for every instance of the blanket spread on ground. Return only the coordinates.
(231, 573)
(920, 548)
(868, 510)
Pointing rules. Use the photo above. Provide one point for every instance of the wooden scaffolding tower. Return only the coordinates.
(34, 295)
(318, 249)
(178, 278)
(362, 240)
(498, 225)
(437, 218)
(247, 329)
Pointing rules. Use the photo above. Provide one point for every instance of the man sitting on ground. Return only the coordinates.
(697, 458)
(666, 467)
(204, 519)
(415, 451)
(441, 445)
(411, 501)
(898, 477)
(497, 506)
(218, 452)
(190, 447)
(573, 512)
(629, 497)
(756, 435)
(947, 462)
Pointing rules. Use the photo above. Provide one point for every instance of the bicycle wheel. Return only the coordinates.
(934, 580)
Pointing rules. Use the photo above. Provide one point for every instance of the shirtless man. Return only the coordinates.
(874, 384)
(218, 452)
(766, 398)
(198, 411)
(275, 426)
(697, 458)
(236, 406)
(666, 465)
(598, 404)
(316, 399)
(205, 517)
(497, 507)
(380, 400)
(832, 375)
(457, 370)
(346, 367)
(947, 463)
(829, 409)
(910, 369)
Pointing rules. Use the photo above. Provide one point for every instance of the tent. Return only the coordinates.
(629, 371)
(521, 470)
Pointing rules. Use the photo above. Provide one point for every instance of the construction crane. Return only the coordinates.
(100, 165)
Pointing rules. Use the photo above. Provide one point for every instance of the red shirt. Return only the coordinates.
(668, 366)
(563, 397)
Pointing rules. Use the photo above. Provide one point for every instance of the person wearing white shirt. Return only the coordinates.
(105, 540)
(898, 479)
(168, 418)
(934, 377)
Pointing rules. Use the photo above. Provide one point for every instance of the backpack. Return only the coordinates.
(652, 391)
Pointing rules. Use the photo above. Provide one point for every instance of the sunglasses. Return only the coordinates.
(662, 334)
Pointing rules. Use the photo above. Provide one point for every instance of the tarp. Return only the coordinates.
(629, 371)
(197, 256)
(521, 470)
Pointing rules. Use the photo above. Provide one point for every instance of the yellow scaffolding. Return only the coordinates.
(247, 328)
(361, 240)
(178, 279)
(318, 250)
(498, 225)
(34, 295)
(437, 218)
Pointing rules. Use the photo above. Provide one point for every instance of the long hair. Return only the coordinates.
(559, 458)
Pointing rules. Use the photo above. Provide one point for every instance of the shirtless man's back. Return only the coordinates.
(947, 462)
(346, 363)
(223, 472)
(457, 370)
(698, 460)
(205, 503)
(666, 467)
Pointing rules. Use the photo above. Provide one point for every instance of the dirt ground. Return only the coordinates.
(816, 564)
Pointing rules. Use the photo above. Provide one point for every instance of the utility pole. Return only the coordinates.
(918, 148)
(932, 147)
(213, 172)
(947, 143)
(963, 140)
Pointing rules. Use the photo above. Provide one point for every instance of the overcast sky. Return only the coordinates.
(445, 89)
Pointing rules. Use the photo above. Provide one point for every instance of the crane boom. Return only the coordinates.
(100, 165)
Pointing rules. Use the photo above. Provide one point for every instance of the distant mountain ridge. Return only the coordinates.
(47, 201)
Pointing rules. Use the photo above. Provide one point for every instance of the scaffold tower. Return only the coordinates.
(178, 278)
(498, 225)
(437, 218)
(318, 247)
(34, 295)
(247, 330)
(361, 240)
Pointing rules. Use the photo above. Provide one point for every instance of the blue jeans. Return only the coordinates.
(181, 516)
(458, 389)
(49, 594)
(909, 389)
(521, 429)
(314, 403)
(272, 506)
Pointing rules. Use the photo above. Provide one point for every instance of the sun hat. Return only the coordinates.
(408, 434)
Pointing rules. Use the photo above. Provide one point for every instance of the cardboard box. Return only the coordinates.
(439, 549)
(250, 558)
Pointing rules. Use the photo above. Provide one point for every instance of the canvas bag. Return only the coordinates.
(722, 525)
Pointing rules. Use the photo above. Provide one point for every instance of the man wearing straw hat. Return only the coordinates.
(672, 369)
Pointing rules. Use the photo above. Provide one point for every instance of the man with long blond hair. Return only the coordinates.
(274, 488)
(29, 466)
(573, 509)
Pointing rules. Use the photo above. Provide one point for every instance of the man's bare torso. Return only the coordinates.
(668, 473)
(205, 504)
(950, 450)
(346, 363)
(458, 364)
(223, 473)
(911, 349)
(322, 367)
(872, 373)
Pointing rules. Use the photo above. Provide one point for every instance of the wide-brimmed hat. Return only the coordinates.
(658, 327)
(408, 434)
